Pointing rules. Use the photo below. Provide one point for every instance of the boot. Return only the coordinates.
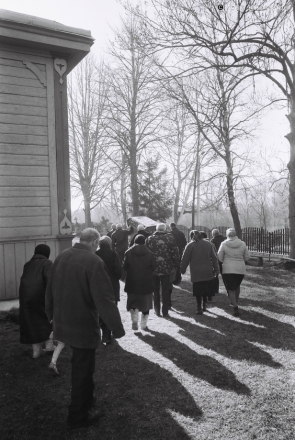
(199, 311)
(236, 311)
(143, 322)
(134, 317)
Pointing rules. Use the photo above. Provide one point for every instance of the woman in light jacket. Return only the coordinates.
(233, 253)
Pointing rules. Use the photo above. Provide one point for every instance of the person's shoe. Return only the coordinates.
(52, 367)
(107, 339)
(199, 311)
(236, 312)
(204, 308)
(158, 314)
(167, 316)
(143, 322)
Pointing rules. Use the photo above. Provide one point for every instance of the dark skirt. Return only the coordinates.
(34, 324)
(232, 280)
(141, 302)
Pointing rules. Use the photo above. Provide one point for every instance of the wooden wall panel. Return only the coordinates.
(14, 222)
(16, 109)
(19, 72)
(29, 249)
(22, 100)
(23, 119)
(26, 171)
(9, 268)
(40, 150)
(27, 82)
(12, 128)
(22, 90)
(25, 201)
(7, 61)
(24, 211)
(24, 192)
(24, 139)
(23, 181)
(24, 231)
(20, 260)
(24, 159)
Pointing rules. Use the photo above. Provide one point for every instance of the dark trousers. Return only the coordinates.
(83, 366)
(177, 275)
(164, 282)
(200, 292)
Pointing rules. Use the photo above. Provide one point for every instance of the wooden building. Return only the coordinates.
(36, 55)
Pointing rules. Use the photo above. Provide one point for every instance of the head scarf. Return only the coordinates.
(139, 239)
(42, 249)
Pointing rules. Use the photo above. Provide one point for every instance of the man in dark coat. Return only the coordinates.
(120, 240)
(139, 264)
(140, 231)
(114, 271)
(181, 243)
(164, 247)
(34, 325)
(78, 292)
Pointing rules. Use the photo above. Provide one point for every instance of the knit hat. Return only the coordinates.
(42, 249)
(105, 240)
(231, 232)
(139, 239)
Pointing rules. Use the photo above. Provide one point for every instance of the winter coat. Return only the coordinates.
(34, 324)
(110, 233)
(143, 232)
(180, 240)
(233, 253)
(202, 259)
(217, 240)
(140, 265)
(78, 291)
(120, 240)
(113, 266)
(163, 246)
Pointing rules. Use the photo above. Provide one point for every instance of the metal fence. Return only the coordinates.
(257, 239)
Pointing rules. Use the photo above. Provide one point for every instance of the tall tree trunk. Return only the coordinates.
(231, 198)
(176, 202)
(87, 211)
(123, 189)
(134, 184)
(291, 167)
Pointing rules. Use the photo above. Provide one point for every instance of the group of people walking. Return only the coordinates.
(74, 299)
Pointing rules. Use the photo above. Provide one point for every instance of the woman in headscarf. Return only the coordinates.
(201, 257)
(139, 264)
(35, 328)
(114, 271)
(233, 253)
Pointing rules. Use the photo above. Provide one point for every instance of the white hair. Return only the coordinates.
(161, 227)
(105, 239)
(140, 227)
(89, 234)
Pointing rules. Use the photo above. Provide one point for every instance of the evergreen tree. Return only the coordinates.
(155, 200)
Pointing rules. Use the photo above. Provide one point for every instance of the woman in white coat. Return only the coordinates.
(233, 253)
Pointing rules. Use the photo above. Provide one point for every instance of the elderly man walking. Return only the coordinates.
(181, 243)
(78, 292)
(164, 247)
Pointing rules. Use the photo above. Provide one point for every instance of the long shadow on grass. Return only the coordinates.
(135, 397)
(232, 344)
(200, 366)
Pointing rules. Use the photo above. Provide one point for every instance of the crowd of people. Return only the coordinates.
(73, 301)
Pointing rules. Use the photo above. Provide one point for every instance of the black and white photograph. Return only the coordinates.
(147, 219)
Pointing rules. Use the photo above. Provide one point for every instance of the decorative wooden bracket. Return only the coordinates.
(60, 66)
(36, 71)
(65, 226)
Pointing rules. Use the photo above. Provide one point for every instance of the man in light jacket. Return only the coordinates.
(78, 292)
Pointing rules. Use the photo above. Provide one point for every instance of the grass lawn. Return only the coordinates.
(191, 377)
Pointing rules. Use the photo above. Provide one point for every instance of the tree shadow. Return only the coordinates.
(202, 367)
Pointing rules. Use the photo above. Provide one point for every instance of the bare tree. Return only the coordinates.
(257, 35)
(87, 112)
(134, 97)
